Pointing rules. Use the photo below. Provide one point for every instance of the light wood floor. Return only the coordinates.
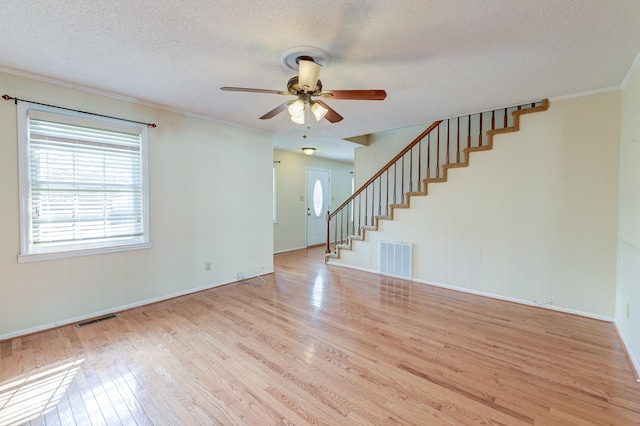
(322, 345)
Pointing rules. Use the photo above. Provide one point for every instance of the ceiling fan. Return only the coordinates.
(307, 85)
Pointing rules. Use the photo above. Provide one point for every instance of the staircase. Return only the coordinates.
(444, 145)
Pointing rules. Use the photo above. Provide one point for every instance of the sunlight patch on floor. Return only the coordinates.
(30, 397)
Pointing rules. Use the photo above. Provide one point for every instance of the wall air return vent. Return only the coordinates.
(395, 259)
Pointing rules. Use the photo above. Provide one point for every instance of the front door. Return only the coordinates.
(318, 196)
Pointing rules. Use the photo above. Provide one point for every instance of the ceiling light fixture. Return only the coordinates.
(308, 150)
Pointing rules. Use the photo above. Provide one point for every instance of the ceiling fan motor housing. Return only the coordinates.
(294, 88)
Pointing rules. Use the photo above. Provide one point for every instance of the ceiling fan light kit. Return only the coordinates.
(308, 75)
(296, 111)
(318, 110)
(309, 62)
(298, 119)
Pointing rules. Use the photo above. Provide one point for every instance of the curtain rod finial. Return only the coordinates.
(7, 97)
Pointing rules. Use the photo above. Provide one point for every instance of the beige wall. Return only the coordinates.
(290, 229)
(210, 201)
(381, 149)
(534, 220)
(628, 312)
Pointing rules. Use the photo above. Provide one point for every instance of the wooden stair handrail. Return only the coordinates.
(386, 167)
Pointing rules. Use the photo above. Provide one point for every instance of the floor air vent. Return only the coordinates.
(395, 259)
(95, 320)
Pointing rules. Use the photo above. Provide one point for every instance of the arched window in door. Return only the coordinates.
(317, 198)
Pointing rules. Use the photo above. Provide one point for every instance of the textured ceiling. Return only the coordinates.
(435, 58)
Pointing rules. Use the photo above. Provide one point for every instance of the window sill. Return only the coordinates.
(35, 257)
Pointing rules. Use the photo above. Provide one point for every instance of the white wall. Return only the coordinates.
(210, 201)
(534, 219)
(628, 312)
(290, 229)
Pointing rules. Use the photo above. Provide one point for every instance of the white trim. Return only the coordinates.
(582, 94)
(22, 110)
(485, 294)
(632, 359)
(357, 268)
(290, 249)
(309, 198)
(632, 70)
(635, 364)
(119, 309)
(35, 257)
(521, 301)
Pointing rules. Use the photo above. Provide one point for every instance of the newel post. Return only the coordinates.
(328, 250)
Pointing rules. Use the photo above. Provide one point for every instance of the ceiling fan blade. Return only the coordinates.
(356, 95)
(246, 89)
(331, 116)
(308, 74)
(277, 110)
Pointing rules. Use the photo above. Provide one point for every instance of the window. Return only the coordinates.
(83, 184)
(318, 198)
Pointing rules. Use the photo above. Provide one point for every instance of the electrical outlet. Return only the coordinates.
(207, 266)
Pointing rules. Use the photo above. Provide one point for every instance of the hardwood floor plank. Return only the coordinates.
(105, 408)
(89, 400)
(78, 409)
(65, 412)
(51, 417)
(140, 402)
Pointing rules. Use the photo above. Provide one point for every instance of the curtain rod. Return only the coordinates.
(7, 97)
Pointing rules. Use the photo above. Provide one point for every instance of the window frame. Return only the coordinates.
(28, 252)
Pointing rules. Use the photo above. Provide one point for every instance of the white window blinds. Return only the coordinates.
(86, 183)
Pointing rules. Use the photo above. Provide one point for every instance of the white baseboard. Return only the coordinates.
(522, 301)
(289, 249)
(80, 318)
(356, 268)
(627, 347)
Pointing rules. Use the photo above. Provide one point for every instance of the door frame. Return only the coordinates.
(306, 190)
